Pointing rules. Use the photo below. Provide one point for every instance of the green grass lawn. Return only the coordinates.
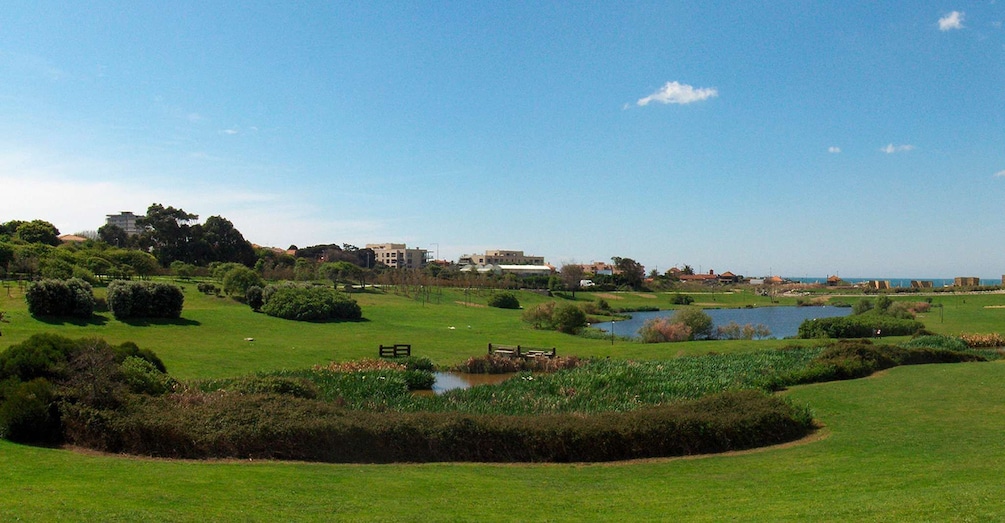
(914, 443)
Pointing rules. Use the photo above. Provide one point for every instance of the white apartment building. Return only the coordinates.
(125, 220)
(501, 257)
(397, 255)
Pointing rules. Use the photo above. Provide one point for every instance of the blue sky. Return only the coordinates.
(795, 138)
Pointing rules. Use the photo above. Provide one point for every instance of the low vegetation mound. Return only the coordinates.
(504, 300)
(309, 303)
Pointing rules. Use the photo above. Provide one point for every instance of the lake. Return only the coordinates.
(782, 321)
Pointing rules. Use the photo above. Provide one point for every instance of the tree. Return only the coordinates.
(38, 231)
(571, 275)
(237, 281)
(568, 318)
(167, 231)
(225, 243)
(695, 318)
(113, 235)
(628, 272)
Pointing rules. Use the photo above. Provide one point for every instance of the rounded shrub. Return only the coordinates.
(61, 298)
(130, 299)
(310, 304)
(504, 300)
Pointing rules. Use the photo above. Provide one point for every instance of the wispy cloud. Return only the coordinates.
(891, 149)
(1000, 174)
(833, 150)
(230, 132)
(951, 21)
(678, 93)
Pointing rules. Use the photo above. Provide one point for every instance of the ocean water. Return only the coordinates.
(894, 282)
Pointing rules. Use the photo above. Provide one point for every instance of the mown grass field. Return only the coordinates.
(913, 443)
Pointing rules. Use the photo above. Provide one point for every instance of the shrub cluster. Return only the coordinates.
(982, 341)
(504, 300)
(144, 299)
(47, 376)
(735, 331)
(565, 317)
(859, 326)
(309, 303)
(681, 299)
(200, 425)
(493, 364)
(60, 298)
(849, 359)
(661, 330)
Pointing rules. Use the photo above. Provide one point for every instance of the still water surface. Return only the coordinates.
(782, 321)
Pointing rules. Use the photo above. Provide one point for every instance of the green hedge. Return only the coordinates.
(283, 427)
(859, 326)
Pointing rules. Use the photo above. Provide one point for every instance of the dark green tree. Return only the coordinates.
(38, 231)
(168, 232)
(113, 235)
(628, 272)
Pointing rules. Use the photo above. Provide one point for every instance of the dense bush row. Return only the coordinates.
(58, 298)
(309, 303)
(281, 427)
(144, 299)
(859, 326)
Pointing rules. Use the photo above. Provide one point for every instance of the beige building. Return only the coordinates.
(397, 256)
(501, 257)
(125, 220)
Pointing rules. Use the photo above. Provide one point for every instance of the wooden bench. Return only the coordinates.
(395, 351)
(517, 351)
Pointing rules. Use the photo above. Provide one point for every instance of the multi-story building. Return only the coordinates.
(501, 257)
(396, 255)
(125, 220)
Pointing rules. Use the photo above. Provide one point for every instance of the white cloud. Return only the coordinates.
(677, 93)
(1000, 174)
(951, 21)
(230, 132)
(833, 150)
(890, 148)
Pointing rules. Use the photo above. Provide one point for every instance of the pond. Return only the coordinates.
(782, 321)
(449, 380)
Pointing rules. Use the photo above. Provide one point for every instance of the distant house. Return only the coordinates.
(518, 270)
(728, 278)
(500, 257)
(922, 284)
(700, 278)
(398, 256)
(834, 281)
(966, 281)
(774, 280)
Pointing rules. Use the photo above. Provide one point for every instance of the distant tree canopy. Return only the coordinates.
(628, 272)
(35, 231)
(172, 236)
(335, 253)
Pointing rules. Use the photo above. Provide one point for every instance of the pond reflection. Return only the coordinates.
(461, 380)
